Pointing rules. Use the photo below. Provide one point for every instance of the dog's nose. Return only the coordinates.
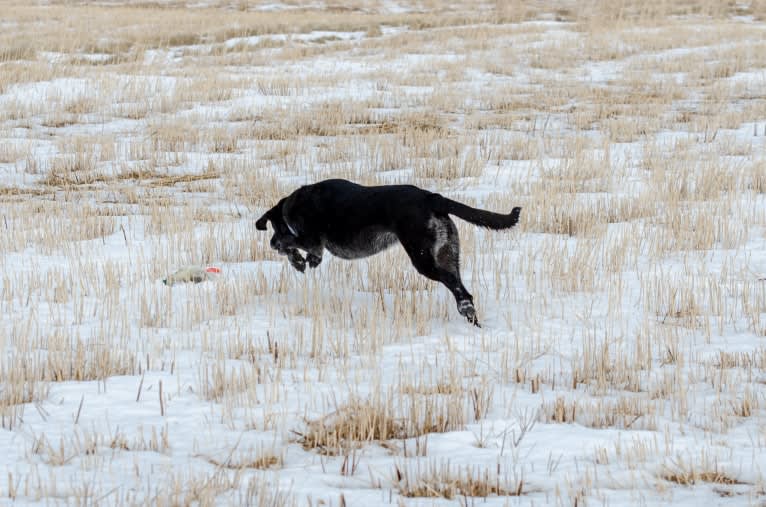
(275, 244)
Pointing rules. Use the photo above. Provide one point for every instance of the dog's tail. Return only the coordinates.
(476, 216)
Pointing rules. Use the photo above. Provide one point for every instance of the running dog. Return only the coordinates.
(353, 221)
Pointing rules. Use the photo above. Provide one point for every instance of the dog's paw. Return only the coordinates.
(472, 318)
(296, 260)
(468, 311)
(313, 260)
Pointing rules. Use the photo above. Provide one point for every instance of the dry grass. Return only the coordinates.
(440, 480)
(259, 458)
(384, 418)
(687, 473)
(83, 444)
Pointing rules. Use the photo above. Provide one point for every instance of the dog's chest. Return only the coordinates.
(363, 243)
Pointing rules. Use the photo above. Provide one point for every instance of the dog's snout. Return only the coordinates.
(275, 243)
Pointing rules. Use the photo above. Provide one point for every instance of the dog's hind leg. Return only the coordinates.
(435, 253)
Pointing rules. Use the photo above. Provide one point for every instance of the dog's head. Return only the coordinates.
(281, 230)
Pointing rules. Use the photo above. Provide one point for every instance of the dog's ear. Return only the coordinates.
(274, 215)
(262, 222)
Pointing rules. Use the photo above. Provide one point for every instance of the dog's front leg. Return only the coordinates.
(296, 259)
(313, 260)
(314, 249)
(286, 245)
(314, 257)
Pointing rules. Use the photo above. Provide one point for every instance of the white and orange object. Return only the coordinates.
(192, 274)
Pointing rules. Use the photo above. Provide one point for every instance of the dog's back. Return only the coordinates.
(347, 205)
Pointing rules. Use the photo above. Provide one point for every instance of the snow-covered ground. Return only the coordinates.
(621, 359)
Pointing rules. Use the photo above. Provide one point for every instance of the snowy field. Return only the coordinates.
(623, 355)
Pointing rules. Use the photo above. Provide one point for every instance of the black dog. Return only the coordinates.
(353, 221)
